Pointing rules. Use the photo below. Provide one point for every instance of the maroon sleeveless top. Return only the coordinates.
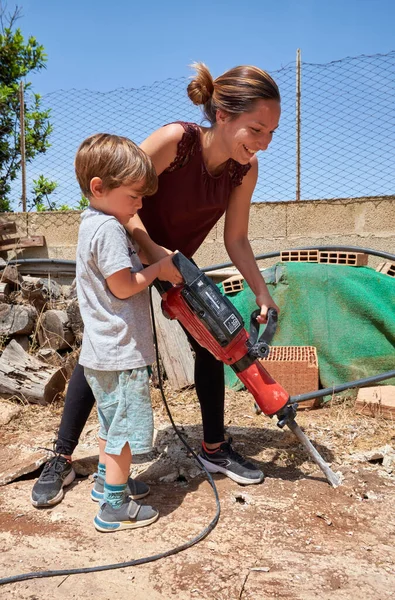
(189, 200)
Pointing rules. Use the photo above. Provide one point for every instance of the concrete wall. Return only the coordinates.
(368, 222)
(283, 225)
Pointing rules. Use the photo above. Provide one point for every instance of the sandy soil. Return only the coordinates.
(292, 537)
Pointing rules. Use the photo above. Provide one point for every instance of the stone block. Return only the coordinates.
(387, 268)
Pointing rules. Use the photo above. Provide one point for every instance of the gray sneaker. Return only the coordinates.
(134, 489)
(129, 516)
(229, 462)
(48, 489)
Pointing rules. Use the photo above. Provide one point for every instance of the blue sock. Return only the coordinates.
(114, 494)
(101, 470)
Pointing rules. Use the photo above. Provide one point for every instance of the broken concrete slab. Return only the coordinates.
(19, 459)
(87, 465)
(384, 455)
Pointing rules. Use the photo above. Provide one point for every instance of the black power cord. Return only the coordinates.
(147, 559)
(294, 399)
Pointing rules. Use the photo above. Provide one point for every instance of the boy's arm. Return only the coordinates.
(150, 251)
(124, 283)
(113, 255)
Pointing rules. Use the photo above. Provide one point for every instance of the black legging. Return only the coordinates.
(210, 390)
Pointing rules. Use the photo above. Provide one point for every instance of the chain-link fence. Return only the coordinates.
(347, 135)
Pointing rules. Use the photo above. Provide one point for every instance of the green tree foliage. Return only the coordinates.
(42, 189)
(18, 58)
(40, 200)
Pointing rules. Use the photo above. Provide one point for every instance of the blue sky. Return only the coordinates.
(103, 45)
(348, 117)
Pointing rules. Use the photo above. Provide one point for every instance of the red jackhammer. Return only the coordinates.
(214, 322)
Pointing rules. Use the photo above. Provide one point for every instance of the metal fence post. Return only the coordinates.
(298, 123)
(22, 142)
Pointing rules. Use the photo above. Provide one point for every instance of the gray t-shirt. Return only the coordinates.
(117, 333)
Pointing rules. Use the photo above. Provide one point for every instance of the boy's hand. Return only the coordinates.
(160, 252)
(168, 272)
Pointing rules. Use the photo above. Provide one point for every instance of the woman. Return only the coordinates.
(203, 172)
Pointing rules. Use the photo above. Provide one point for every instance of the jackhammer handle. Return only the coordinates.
(270, 329)
(189, 271)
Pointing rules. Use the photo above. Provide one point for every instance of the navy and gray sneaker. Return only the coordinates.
(134, 489)
(225, 460)
(48, 489)
(129, 516)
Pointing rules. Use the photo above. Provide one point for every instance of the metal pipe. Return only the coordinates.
(39, 261)
(341, 387)
(263, 256)
(54, 266)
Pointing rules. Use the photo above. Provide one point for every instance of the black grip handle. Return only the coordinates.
(270, 329)
(254, 327)
(260, 348)
(271, 326)
(189, 271)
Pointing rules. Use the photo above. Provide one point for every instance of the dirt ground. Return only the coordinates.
(292, 537)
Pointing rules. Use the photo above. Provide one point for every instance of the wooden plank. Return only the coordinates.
(220, 274)
(9, 227)
(174, 348)
(376, 401)
(26, 242)
(24, 376)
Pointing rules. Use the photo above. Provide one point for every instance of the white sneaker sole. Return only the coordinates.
(59, 497)
(113, 527)
(212, 468)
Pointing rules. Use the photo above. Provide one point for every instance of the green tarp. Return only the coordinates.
(347, 313)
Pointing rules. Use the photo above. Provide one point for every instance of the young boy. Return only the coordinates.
(117, 345)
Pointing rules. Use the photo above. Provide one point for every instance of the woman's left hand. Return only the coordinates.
(265, 301)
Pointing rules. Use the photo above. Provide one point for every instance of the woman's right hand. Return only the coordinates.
(168, 271)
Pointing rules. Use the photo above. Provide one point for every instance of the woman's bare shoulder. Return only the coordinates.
(167, 134)
(162, 145)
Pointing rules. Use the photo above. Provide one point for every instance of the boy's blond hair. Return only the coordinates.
(117, 161)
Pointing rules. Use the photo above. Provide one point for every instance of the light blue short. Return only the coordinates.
(124, 408)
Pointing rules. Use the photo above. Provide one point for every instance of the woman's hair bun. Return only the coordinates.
(201, 88)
